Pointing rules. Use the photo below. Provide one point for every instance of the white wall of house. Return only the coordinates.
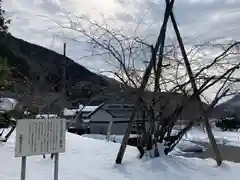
(117, 129)
(102, 128)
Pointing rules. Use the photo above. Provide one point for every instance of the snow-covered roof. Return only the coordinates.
(83, 108)
(89, 108)
(119, 106)
(92, 109)
(38, 116)
(70, 112)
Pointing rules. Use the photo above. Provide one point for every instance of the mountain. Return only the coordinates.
(37, 74)
(227, 108)
(42, 69)
(31, 58)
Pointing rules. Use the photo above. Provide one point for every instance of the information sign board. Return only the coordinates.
(40, 136)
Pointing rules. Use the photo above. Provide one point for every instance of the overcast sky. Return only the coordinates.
(199, 20)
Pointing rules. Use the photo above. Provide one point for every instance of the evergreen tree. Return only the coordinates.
(3, 22)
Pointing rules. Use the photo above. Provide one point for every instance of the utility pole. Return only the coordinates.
(64, 69)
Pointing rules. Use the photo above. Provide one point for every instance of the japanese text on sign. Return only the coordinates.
(40, 136)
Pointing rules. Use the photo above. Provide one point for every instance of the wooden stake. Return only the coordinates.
(144, 83)
(194, 86)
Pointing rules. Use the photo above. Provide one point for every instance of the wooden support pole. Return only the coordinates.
(195, 89)
(64, 69)
(144, 83)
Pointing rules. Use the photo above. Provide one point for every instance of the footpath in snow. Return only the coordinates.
(91, 159)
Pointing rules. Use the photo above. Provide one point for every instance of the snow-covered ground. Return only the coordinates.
(93, 159)
(195, 134)
(185, 146)
(117, 138)
(231, 138)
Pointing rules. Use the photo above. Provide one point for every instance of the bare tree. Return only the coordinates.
(169, 72)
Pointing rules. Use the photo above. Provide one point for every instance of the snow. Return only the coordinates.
(91, 159)
(230, 138)
(44, 116)
(117, 138)
(7, 104)
(87, 108)
(188, 147)
(70, 112)
(26, 113)
(183, 147)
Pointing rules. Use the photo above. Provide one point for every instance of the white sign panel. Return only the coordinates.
(40, 136)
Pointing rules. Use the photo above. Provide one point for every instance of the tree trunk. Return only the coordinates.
(143, 85)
